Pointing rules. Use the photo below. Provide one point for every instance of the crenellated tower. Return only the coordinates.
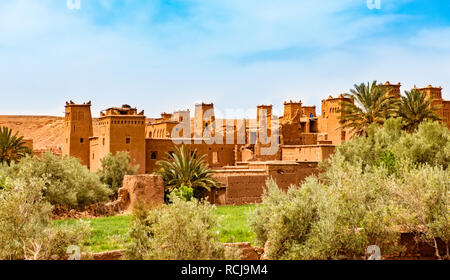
(77, 131)
(204, 120)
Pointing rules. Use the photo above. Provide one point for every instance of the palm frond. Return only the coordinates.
(185, 167)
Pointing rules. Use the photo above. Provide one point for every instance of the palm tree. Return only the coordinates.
(372, 104)
(415, 108)
(12, 147)
(184, 168)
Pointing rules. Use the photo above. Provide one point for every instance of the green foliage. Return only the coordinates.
(67, 182)
(416, 108)
(425, 194)
(3, 182)
(114, 169)
(26, 231)
(184, 192)
(371, 189)
(430, 144)
(185, 167)
(107, 234)
(386, 159)
(111, 233)
(334, 219)
(373, 105)
(12, 147)
(182, 230)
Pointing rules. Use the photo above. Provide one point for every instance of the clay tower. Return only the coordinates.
(204, 120)
(392, 90)
(77, 131)
(120, 129)
(331, 113)
(292, 110)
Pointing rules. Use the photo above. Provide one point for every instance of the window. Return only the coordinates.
(103, 141)
(81, 140)
(215, 157)
(154, 155)
(128, 140)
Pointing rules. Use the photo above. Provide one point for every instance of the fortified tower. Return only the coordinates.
(329, 122)
(203, 120)
(433, 93)
(120, 129)
(292, 110)
(392, 90)
(77, 130)
(441, 107)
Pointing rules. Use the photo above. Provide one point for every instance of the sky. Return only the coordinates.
(165, 55)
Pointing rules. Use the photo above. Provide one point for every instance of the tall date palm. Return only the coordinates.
(372, 104)
(416, 108)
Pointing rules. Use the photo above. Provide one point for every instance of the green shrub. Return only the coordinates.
(387, 159)
(284, 219)
(3, 182)
(26, 231)
(182, 230)
(425, 194)
(68, 183)
(336, 217)
(184, 192)
(430, 144)
(114, 169)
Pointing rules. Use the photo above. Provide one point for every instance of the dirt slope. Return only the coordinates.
(46, 131)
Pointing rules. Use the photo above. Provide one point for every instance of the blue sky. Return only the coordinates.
(164, 55)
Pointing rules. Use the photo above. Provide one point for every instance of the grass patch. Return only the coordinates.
(233, 223)
(110, 233)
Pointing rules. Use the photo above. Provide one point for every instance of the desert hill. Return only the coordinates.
(45, 131)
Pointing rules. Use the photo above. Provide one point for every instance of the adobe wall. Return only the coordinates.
(306, 152)
(242, 189)
(446, 113)
(218, 155)
(148, 189)
(246, 184)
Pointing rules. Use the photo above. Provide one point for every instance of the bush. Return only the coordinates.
(183, 230)
(114, 169)
(184, 192)
(371, 190)
(26, 231)
(337, 218)
(429, 145)
(3, 182)
(67, 182)
(425, 194)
